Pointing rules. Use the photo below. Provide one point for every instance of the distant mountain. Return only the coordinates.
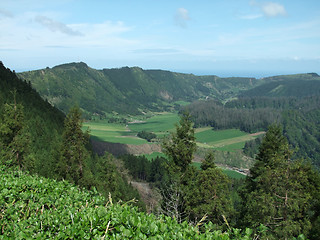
(298, 85)
(128, 90)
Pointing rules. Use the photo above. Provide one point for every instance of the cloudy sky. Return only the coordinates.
(223, 37)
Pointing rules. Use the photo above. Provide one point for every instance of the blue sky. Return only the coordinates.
(222, 37)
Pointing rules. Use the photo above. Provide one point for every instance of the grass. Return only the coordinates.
(210, 136)
(162, 124)
(223, 140)
(109, 132)
(182, 103)
(159, 124)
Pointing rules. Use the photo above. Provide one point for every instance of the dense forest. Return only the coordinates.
(299, 118)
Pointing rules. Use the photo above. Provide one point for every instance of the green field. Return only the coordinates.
(224, 140)
(109, 132)
(161, 125)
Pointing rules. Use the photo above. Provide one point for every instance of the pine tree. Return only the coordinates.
(208, 193)
(14, 139)
(181, 146)
(278, 191)
(72, 162)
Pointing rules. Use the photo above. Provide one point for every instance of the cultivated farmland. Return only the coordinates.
(162, 124)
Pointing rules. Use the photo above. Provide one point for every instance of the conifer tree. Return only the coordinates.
(72, 162)
(181, 145)
(179, 148)
(278, 192)
(208, 193)
(14, 140)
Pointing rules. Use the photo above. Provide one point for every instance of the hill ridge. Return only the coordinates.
(127, 89)
(133, 90)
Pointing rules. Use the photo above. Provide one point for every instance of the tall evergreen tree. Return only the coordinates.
(278, 192)
(208, 194)
(14, 140)
(181, 145)
(179, 148)
(72, 162)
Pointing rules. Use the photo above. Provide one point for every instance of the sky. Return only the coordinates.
(220, 37)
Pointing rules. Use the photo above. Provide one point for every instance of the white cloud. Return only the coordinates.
(271, 9)
(182, 17)
(55, 26)
(33, 30)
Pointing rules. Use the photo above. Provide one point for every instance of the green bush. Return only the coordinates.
(33, 207)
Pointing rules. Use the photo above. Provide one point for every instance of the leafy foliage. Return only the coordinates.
(39, 208)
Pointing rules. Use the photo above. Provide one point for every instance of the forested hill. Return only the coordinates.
(42, 122)
(299, 85)
(28, 97)
(128, 90)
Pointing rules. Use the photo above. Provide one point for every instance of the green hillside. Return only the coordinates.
(43, 123)
(128, 90)
(299, 85)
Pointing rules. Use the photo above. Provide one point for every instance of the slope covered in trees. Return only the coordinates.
(42, 123)
(38, 138)
(299, 118)
(127, 90)
(281, 193)
(299, 85)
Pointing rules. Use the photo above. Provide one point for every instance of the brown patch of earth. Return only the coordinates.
(118, 149)
(257, 134)
(148, 195)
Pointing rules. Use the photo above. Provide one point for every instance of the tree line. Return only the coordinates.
(299, 118)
